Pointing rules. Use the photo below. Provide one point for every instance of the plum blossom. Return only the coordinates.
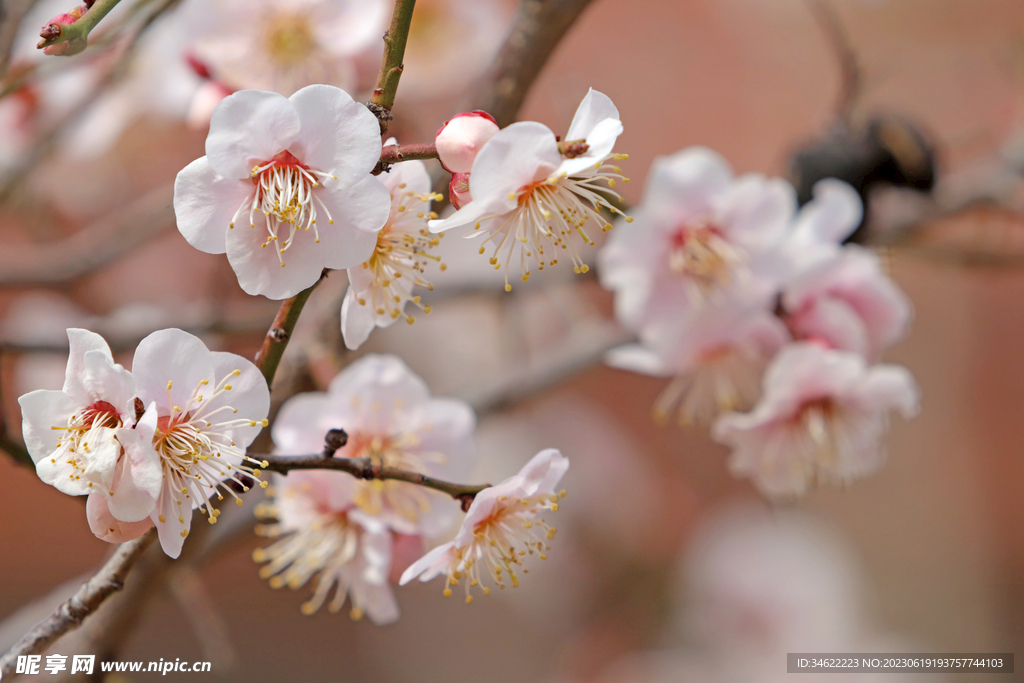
(699, 231)
(502, 526)
(291, 174)
(848, 302)
(821, 418)
(283, 45)
(716, 355)
(72, 434)
(380, 288)
(529, 193)
(458, 142)
(321, 530)
(204, 408)
(390, 417)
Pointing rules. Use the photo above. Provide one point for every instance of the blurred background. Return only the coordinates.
(666, 568)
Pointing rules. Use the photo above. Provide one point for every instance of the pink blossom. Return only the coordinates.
(459, 139)
(821, 419)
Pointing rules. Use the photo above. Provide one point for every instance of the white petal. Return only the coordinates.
(259, 269)
(108, 381)
(248, 395)
(81, 342)
(543, 472)
(173, 356)
(594, 109)
(169, 532)
(108, 528)
(359, 212)
(205, 204)
(428, 566)
(41, 410)
(637, 358)
(249, 127)
(516, 156)
(303, 422)
(337, 135)
(357, 321)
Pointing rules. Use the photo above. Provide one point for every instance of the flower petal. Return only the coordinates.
(41, 410)
(108, 528)
(169, 366)
(248, 395)
(359, 212)
(205, 204)
(357, 320)
(259, 268)
(430, 565)
(80, 342)
(249, 127)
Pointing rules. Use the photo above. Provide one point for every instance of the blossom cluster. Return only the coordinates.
(769, 325)
(151, 445)
(352, 534)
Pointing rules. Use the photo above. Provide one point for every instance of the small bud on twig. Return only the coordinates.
(335, 440)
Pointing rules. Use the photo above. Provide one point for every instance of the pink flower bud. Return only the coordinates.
(459, 139)
(458, 190)
(52, 31)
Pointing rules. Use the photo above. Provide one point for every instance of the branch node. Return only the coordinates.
(334, 441)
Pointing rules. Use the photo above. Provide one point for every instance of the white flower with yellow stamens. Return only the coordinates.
(380, 288)
(204, 409)
(285, 188)
(529, 194)
(391, 418)
(322, 532)
(502, 527)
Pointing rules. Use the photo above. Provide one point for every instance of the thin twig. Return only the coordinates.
(280, 332)
(76, 34)
(391, 65)
(393, 154)
(835, 33)
(87, 600)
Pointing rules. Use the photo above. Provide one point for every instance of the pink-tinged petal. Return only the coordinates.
(543, 472)
(595, 108)
(359, 212)
(756, 212)
(249, 127)
(517, 156)
(177, 521)
(687, 183)
(81, 342)
(469, 214)
(248, 395)
(460, 139)
(171, 356)
(107, 381)
(430, 565)
(357, 321)
(379, 384)
(831, 216)
(889, 387)
(833, 322)
(637, 358)
(446, 426)
(337, 135)
(41, 411)
(302, 423)
(139, 475)
(206, 203)
(108, 528)
(259, 268)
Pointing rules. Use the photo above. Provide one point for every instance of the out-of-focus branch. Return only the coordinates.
(11, 14)
(76, 34)
(87, 600)
(537, 28)
(280, 332)
(391, 66)
(851, 82)
(92, 247)
(365, 468)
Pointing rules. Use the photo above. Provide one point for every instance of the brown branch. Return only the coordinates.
(11, 14)
(851, 83)
(92, 247)
(393, 154)
(87, 600)
(280, 332)
(391, 66)
(537, 28)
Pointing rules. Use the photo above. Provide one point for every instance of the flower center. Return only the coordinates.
(81, 430)
(549, 214)
(701, 254)
(285, 196)
(725, 379)
(402, 255)
(198, 455)
(502, 541)
(326, 546)
(289, 39)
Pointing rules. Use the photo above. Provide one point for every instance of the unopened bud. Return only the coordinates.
(458, 190)
(459, 139)
(52, 31)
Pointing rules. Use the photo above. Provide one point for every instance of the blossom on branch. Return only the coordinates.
(285, 188)
(392, 419)
(531, 194)
(322, 532)
(820, 419)
(380, 288)
(502, 526)
(204, 408)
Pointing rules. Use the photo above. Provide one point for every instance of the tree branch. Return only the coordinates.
(391, 65)
(537, 28)
(393, 154)
(87, 600)
(280, 332)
